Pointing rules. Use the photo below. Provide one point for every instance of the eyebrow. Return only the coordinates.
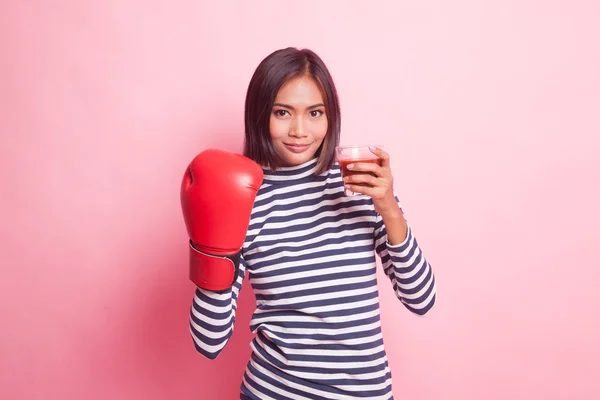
(289, 107)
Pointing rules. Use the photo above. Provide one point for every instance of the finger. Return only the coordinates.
(385, 157)
(366, 190)
(369, 167)
(363, 178)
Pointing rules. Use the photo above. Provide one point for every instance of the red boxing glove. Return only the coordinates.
(217, 196)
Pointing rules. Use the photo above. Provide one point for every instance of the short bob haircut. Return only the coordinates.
(271, 74)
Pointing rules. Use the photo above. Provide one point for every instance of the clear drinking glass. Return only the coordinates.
(346, 155)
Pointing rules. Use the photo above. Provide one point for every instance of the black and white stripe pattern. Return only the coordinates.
(310, 257)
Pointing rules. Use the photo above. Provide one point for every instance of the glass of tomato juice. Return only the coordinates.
(346, 155)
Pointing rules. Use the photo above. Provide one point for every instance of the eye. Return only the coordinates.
(316, 113)
(280, 113)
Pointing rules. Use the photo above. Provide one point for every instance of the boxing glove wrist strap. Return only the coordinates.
(213, 272)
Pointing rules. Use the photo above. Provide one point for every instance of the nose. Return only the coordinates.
(298, 128)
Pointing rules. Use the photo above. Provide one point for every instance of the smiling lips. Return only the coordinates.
(297, 148)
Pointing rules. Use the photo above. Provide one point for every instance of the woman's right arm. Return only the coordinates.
(212, 316)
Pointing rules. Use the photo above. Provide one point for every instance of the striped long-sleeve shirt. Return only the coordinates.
(310, 255)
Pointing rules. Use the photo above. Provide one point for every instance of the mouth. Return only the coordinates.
(297, 148)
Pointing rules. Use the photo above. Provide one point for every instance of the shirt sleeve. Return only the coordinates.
(407, 268)
(212, 316)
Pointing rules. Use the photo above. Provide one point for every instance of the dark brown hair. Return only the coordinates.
(270, 75)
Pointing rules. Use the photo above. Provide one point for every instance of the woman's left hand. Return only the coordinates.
(380, 185)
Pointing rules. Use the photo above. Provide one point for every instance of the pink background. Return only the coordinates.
(490, 114)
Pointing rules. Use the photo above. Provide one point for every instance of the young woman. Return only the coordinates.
(310, 250)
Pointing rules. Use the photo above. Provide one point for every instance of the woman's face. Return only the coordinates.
(298, 122)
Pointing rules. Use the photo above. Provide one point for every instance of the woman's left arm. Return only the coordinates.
(402, 259)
